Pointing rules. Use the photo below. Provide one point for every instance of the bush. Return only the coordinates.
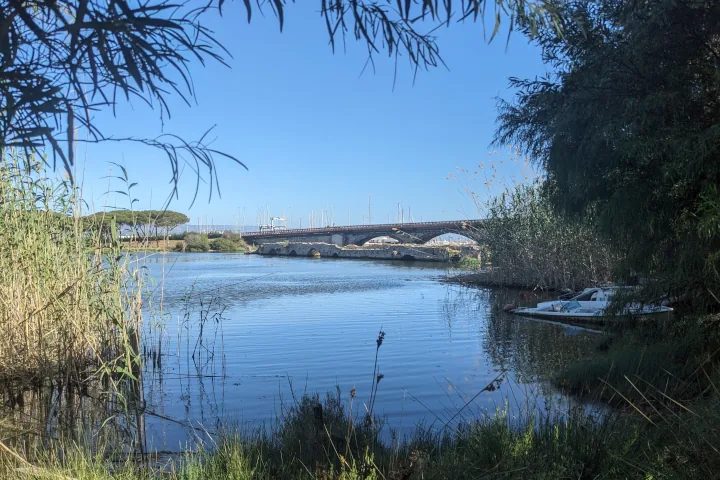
(649, 362)
(233, 237)
(225, 245)
(196, 242)
(532, 245)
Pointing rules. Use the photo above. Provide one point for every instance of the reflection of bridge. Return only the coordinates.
(417, 233)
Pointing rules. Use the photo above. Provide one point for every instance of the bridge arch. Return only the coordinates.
(363, 240)
(447, 236)
(314, 253)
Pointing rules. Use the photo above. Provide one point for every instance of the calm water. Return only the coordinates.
(272, 324)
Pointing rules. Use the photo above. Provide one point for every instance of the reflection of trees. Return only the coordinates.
(531, 349)
(462, 302)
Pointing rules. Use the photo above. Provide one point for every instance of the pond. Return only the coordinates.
(244, 333)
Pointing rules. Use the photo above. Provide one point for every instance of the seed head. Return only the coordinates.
(381, 337)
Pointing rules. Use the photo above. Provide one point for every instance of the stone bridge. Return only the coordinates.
(415, 233)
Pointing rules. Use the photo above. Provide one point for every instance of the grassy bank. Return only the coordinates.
(330, 446)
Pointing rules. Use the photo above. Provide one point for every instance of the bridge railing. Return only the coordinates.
(379, 226)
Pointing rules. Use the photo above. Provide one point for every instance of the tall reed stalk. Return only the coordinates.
(527, 241)
(70, 304)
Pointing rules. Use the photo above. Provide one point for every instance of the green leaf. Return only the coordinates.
(113, 231)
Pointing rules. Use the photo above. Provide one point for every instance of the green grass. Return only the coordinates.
(336, 445)
(649, 362)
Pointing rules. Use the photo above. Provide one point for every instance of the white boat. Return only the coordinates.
(591, 303)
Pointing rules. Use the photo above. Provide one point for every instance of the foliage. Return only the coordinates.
(70, 319)
(142, 222)
(648, 362)
(232, 236)
(225, 245)
(626, 129)
(536, 445)
(532, 245)
(168, 219)
(527, 242)
(60, 61)
(194, 242)
(471, 263)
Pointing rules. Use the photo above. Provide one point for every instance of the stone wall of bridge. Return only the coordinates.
(385, 252)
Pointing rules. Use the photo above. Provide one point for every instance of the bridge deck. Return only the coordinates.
(380, 226)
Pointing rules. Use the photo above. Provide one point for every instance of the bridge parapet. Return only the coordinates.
(420, 232)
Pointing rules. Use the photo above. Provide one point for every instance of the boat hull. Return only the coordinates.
(593, 317)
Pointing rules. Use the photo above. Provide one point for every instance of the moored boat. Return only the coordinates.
(590, 304)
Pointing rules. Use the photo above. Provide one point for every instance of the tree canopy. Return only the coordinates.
(142, 220)
(62, 60)
(627, 128)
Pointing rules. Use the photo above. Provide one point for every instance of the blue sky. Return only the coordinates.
(313, 133)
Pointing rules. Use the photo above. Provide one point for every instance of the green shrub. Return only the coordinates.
(647, 362)
(196, 242)
(470, 263)
(233, 237)
(225, 245)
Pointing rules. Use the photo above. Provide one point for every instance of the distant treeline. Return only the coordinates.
(140, 223)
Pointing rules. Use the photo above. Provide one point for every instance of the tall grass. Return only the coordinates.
(528, 243)
(539, 445)
(532, 245)
(70, 310)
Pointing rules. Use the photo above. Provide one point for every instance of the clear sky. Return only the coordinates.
(314, 133)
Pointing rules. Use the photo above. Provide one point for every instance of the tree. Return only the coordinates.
(142, 222)
(61, 60)
(168, 219)
(628, 127)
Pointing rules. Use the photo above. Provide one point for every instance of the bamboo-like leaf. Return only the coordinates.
(248, 9)
(280, 12)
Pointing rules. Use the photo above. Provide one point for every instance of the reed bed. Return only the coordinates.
(63, 311)
(70, 304)
(525, 241)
